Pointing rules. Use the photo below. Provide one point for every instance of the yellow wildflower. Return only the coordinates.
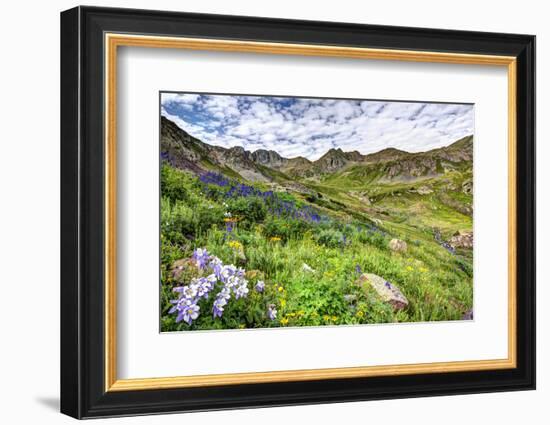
(359, 314)
(284, 321)
(326, 317)
(283, 303)
(274, 238)
(291, 314)
(280, 289)
(409, 268)
(235, 245)
(334, 318)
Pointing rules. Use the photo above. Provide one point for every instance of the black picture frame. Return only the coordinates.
(83, 392)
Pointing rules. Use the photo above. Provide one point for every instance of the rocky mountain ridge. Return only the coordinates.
(187, 152)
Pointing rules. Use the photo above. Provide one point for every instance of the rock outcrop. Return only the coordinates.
(387, 291)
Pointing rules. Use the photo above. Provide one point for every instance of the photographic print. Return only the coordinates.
(295, 211)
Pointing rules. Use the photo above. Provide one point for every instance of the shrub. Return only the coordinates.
(251, 209)
(374, 238)
(331, 238)
(207, 216)
(176, 220)
(173, 183)
(285, 229)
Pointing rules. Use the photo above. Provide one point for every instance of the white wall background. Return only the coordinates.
(29, 213)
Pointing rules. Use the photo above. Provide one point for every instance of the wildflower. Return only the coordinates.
(284, 321)
(188, 291)
(227, 214)
(334, 318)
(280, 289)
(360, 314)
(274, 238)
(241, 290)
(187, 311)
(409, 268)
(227, 272)
(202, 257)
(217, 308)
(271, 312)
(283, 302)
(216, 265)
(205, 285)
(260, 286)
(232, 281)
(235, 245)
(326, 317)
(225, 293)
(358, 269)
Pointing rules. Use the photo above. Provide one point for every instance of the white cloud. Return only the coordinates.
(309, 127)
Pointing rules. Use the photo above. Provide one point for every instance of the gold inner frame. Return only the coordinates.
(113, 41)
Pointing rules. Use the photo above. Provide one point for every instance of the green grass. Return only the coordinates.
(437, 284)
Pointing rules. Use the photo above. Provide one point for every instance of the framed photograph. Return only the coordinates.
(261, 212)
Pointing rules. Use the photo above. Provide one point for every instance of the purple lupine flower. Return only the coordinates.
(260, 286)
(201, 256)
(358, 269)
(271, 312)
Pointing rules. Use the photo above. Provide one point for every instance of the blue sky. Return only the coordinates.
(309, 127)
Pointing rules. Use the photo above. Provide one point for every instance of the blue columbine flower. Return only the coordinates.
(271, 312)
(227, 272)
(201, 256)
(241, 290)
(260, 286)
(189, 313)
(216, 265)
(188, 291)
(217, 308)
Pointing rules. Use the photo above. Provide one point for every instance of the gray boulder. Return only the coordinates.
(387, 291)
(397, 245)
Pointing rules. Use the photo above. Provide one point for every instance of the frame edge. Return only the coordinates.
(70, 349)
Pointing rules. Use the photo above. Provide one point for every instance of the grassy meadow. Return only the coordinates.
(298, 255)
